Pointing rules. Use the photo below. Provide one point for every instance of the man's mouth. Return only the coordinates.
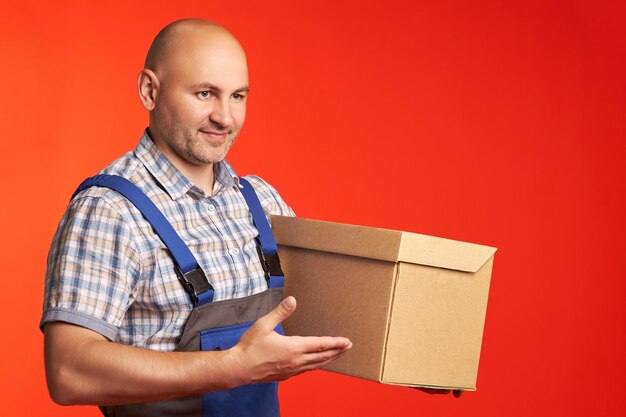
(215, 134)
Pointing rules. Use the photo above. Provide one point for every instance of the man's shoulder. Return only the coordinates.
(262, 187)
(127, 166)
(257, 182)
(269, 197)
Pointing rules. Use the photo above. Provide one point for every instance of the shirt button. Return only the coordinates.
(234, 251)
(211, 207)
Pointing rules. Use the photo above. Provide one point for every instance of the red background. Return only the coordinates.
(491, 121)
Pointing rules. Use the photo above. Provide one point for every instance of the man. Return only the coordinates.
(114, 307)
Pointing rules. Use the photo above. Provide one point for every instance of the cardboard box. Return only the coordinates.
(413, 305)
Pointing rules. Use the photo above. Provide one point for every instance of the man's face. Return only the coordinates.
(201, 105)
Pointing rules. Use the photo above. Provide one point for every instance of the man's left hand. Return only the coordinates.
(456, 393)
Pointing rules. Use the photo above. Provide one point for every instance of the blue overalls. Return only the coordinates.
(211, 325)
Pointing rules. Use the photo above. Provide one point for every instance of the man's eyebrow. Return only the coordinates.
(205, 85)
(209, 86)
(244, 89)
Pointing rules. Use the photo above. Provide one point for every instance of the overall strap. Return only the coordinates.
(267, 247)
(186, 265)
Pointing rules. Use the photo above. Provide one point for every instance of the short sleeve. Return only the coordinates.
(92, 268)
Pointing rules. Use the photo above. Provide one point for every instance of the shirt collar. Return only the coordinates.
(225, 177)
(171, 179)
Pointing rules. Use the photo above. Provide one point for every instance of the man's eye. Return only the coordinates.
(238, 96)
(205, 94)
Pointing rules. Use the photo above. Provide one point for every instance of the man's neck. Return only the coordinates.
(201, 175)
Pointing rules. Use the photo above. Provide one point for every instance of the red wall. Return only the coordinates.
(492, 121)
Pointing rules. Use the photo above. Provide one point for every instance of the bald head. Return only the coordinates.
(195, 86)
(179, 40)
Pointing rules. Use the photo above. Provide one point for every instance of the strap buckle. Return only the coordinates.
(270, 263)
(195, 282)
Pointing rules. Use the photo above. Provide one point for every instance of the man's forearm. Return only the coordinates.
(82, 367)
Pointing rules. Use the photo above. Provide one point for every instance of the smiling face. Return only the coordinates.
(199, 96)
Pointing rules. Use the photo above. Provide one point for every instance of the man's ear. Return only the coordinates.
(148, 86)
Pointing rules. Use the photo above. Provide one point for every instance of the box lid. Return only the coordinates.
(381, 244)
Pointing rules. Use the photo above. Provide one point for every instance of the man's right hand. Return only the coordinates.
(263, 355)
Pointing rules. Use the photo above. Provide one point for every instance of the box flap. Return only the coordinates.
(345, 239)
(381, 244)
(443, 253)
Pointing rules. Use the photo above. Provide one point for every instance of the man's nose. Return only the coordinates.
(222, 114)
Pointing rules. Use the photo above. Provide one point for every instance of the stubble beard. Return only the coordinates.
(203, 153)
(190, 146)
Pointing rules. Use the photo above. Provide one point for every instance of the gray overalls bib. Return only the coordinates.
(211, 325)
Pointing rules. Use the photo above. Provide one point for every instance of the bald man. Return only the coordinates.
(117, 308)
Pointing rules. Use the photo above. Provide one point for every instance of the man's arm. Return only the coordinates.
(83, 367)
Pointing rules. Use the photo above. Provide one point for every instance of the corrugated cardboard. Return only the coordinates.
(413, 305)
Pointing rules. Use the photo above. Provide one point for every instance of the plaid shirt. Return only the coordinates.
(109, 272)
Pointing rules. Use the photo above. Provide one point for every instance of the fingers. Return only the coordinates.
(456, 393)
(322, 357)
(318, 344)
(321, 361)
(316, 352)
(316, 362)
(434, 391)
(278, 315)
(273, 357)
